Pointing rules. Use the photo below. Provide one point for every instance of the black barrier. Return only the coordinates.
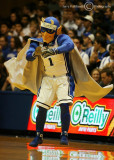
(15, 110)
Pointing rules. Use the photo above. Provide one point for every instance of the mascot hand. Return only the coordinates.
(49, 52)
(37, 52)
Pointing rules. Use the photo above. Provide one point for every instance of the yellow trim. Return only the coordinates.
(48, 25)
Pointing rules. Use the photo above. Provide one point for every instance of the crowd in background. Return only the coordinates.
(91, 29)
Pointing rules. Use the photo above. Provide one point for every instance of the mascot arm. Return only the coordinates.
(30, 54)
(65, 43)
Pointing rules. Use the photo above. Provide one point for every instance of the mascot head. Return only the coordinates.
(50, 28)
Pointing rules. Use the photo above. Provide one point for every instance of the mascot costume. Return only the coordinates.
(52, 68)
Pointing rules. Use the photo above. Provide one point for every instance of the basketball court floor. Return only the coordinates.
(17, 148)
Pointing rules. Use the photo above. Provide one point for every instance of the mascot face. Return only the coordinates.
(49, 27)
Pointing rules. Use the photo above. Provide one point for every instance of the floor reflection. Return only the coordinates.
(51, 152)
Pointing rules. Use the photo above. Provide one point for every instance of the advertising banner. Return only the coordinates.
(86, 117)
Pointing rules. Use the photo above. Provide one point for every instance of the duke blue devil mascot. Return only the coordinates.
(48, 67)
(57, 80)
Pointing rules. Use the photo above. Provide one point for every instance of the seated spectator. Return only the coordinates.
(78, 41)
(88, 40)
(4, 47)
(30, 10)
(61, 4)
(108, 20)
(88, 24)
(4, 31)
(41, 12)
(99, 20)
(101, 33)
(107, 78)
(99, 51)
(13, 18)
(18, 30)
(108, 59)
(33, 30)
(72, 33)
(25, 20)
(81, 28)
(95, 74)
(81, 10)
(70, 24)
(15, 47)
(64, 16)
(110, 38)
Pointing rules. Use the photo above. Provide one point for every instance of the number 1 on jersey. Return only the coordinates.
(50, 60)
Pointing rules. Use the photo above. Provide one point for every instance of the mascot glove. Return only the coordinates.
(49, 52)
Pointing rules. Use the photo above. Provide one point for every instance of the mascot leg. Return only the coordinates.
(40, 121)
(65, 121)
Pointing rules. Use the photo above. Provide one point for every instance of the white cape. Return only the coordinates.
(28, 75)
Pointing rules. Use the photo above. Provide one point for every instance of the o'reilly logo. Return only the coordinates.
(53, 114)
(83, 114)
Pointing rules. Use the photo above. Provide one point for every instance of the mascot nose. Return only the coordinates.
(45, 34)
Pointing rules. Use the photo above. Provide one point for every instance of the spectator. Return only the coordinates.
(107, 78)
(81, 10)
(101, 33)
(95, 74)
(78, 41)
(42, 11)
(18, 30)
(81, 28)
(57, 15)
(4, 46)
(99, 51)
(25, 20)
(72, 33)
(88, 23)
(30, 10)
(64, 16)
(15, 47)
(108, 59)
(108, 20)
(88, 40)
(13, 18)
(98, 20)
(33, 30)
(4, 30)
(70, 24)
(61, 4)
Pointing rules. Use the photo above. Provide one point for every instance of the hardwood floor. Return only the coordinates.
(17, 148)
